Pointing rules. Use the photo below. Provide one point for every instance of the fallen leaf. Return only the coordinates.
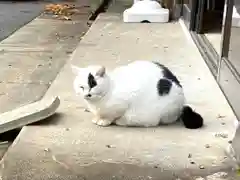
(58, 9)
(62, 11)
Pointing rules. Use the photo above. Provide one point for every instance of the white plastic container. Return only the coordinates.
(146, 11)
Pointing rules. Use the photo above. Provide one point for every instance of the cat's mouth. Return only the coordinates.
(88, 98)
(92, 97)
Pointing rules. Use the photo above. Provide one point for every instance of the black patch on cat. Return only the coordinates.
(168, 74)
(191, 119)
(91, 81)
(164, 86)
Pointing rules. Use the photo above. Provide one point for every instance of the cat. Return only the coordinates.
(141, 93)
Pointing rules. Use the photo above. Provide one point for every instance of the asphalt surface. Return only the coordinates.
(15, 14)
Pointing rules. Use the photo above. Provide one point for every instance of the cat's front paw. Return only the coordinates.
(121, 122)
(103, 122)
(95, 120)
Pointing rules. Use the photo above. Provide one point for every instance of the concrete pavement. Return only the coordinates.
(31, 57)
(68, 146)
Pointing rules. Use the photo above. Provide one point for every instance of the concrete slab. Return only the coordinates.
(56, 37)
(28, 114)
(27, 67)
(32, 57)
(14, 95)
(70, 146)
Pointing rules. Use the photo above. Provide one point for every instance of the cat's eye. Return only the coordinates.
(81, 87)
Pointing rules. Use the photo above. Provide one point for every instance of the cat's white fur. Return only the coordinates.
(128, 95)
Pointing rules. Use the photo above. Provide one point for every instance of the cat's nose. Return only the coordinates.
(88, 95)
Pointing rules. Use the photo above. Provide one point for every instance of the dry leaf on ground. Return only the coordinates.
(59, 9)
(63, 11)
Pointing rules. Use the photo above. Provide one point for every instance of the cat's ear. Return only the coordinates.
(101, 71)
(76, 70)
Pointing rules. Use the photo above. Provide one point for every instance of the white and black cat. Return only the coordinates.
(141, 93)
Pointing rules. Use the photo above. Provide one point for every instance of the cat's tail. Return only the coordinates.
(191, 119)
